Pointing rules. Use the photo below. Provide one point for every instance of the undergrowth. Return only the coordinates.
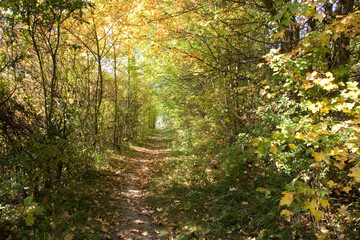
(69, 212)
(222, 197)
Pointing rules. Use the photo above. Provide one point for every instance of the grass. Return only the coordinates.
(203, 200)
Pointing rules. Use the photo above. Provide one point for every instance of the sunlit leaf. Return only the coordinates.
(273, 149)
(355, 173)
(324, 203)
(347, 189)
(286, 213)
(313, 207)
(331, 183)
(287, 198)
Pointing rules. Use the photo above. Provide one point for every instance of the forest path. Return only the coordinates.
(132, 218)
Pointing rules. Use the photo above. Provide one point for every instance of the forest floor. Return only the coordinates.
(128, 216)
(151, 192)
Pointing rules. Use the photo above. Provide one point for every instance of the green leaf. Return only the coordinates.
(28, 202)
(30, 220)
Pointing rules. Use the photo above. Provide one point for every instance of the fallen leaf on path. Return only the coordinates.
(138, 221)
(104, 229)
(69, 236)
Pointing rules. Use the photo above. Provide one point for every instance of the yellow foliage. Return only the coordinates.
(324, 82)
(339, 165)
(313, 207)
(316, 165)
(331, 183)
(324, 203)
(355, 172)
(312, 135)
(273, 149)
(286, 213)
(320, 156)
(292, 146)
(287, 198)
(335, 151)
(347, 189)
(300, 136)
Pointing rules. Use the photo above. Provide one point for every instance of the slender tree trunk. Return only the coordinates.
(99, 88)
(116, 110)
(127, 106)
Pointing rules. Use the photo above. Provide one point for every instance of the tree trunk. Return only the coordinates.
(341, 51)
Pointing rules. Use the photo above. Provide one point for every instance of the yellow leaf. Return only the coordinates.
(310, 205)
(104, 229)
(292, 146)
(340, 165)
(329, 75)
(347, 189)
(335, 151)
(69, 236)
(313, 108)
(273, 149)
(336, 128)
(299, 135)
(331, 183)
(308, 85)
(318, 215)
(355, 172)
(287, 198)
(320, 156)
(313, 207)
(286, 213)
(313, 135)
(324, 203)
(320, 16)
(316, 165)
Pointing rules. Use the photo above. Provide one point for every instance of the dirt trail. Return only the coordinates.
(133, 218)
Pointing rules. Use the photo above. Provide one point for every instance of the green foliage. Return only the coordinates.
(218, 198)
(31, 209)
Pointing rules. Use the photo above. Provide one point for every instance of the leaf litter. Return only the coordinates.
(128, 215)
